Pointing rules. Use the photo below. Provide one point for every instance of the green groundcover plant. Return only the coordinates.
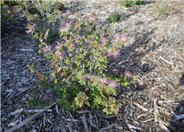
(114, 17)
(79, 59)
(130, 3)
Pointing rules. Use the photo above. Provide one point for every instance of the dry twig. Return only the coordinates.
(26, 121)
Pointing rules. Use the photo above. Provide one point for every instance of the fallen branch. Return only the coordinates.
(156, 113)
(133, 127)
(85, 123)
(166, 61)
(141, 107)
(26, 121)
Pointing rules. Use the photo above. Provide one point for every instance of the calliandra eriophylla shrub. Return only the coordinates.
(80, 60)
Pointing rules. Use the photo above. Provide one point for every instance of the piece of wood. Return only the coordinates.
(85, 123)
(26, 121)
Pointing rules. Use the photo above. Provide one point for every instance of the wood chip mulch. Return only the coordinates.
(155, 54)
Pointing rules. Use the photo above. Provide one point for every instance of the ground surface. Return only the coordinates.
(155, 54)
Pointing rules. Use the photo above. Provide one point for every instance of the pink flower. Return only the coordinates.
(116, 53)
(29, 31)
(113, 54)
(113, 84)
(128, 74)
(121, 37)
(92, 18)
(47, 49)
(103, 39)
(109, 52)
(116, 108)
(87, 76)
(103, 81)
(115, 70)
(88, 41)
(31, 27)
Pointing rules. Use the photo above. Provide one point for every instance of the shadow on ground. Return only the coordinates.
(181, 81)
(177, 120)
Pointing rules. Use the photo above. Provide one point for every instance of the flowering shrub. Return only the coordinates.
(79, 60)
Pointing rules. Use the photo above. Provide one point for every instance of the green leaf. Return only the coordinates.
(31, 68)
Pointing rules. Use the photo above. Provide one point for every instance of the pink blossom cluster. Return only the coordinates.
(128, 74)
(92, 18)
(88, 41)
(116, 108)
(112, 53)
(111, 83)
(121, 37)
(115, 70)
(103, 40)
(87, 76)
(31, 28)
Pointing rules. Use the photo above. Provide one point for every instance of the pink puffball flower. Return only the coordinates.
(103, 39)
(109, 52)
(128, 74)
(31, 27)
(116, 108)
(47, 49)
(121, 37)
(115, 70)
(88, 41)
(113, 84)
(87, 76)
(29, 31)
(92, 18)
(116, 53)
(103, 81)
